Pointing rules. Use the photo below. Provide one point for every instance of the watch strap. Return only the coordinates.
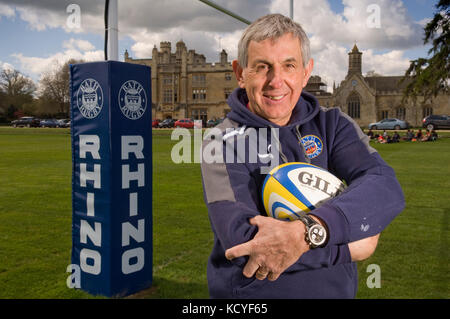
(310, 222)
(307, 220)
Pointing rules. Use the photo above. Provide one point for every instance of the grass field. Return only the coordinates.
(35, 221)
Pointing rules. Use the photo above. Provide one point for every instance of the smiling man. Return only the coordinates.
(256, 256)
(274, 77)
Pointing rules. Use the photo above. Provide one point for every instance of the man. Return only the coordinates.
(256, 256)
(409, 135)
(396, 137)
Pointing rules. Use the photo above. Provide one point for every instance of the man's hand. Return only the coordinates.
(276, 246)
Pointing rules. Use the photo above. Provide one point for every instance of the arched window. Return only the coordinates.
(353, 106)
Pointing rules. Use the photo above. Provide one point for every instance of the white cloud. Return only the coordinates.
(52, 14)
(201, 27)
(6, 66)
(7, 11)
(38, 66)
(390, 63)
(424, 22)
(330, 63)
(39, 19)
(191, 15)
(83, 45)
(396, 29)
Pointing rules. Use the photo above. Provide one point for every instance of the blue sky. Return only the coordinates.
(417, 9)
(34, 34)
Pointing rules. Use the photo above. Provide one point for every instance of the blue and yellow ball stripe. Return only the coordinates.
(281, 197)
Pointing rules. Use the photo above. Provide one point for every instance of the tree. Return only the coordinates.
(3, 105)
(17, 90)
(55, 95)
(430, 76)
(14, 83)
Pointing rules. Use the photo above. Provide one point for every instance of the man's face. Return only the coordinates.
(274, 77)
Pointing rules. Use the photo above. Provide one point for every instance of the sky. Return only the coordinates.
(37, 36)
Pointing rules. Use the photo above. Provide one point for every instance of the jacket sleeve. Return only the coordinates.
(231, 196)
(373, 197)
(229, 192)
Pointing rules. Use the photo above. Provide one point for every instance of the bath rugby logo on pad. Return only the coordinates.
(132, 100)
(90, 98)
(313, 145)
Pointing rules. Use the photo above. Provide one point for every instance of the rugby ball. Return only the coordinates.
(298, 187)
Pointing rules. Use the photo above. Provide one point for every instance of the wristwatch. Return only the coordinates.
(316, 235)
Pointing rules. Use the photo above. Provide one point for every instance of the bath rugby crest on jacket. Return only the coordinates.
(313, 145)
(293, 187)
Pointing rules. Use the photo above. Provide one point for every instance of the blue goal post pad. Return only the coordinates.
(111, 176)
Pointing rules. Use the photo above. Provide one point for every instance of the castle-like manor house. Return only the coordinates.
(185, 85)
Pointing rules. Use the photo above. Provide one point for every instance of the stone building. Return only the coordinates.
(372, 98)
(184, 85)
(319, 88)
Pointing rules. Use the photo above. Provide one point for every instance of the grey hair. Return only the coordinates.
(272, 26)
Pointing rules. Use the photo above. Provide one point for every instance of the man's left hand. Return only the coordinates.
(276, 246)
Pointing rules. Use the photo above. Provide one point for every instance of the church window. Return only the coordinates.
(353, 106)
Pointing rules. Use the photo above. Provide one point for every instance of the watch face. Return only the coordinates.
(354, 82)
(317, 235)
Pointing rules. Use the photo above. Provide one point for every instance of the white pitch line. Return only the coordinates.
(179, 257)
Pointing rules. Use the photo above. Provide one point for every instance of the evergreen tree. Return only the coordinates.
(431, 76)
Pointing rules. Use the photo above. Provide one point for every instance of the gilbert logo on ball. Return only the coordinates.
(298, 187)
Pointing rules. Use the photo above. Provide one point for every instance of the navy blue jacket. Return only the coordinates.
(232, 193)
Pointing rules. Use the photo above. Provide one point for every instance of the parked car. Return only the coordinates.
(389, 124)
(63, 123)
(49, 123)
(212, 123)
(155, 123)
(166, 123)
(187, 123)
(28, 121)
(434, 122)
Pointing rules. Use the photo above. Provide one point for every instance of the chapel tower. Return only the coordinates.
(354, 61)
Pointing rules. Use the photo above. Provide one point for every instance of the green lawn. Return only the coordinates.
(413, 251)
(35, 221)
